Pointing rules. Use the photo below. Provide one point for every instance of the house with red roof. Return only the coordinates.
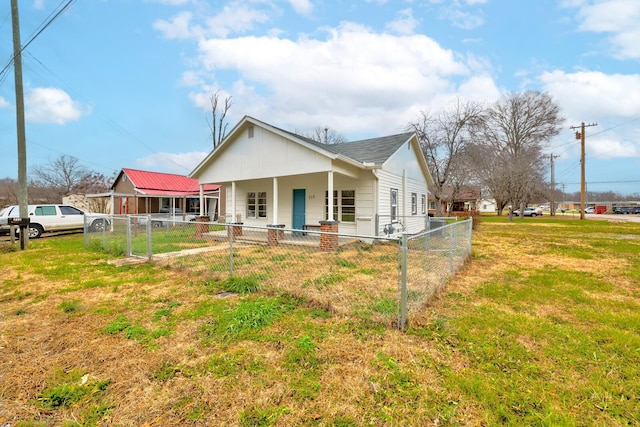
(144, 192)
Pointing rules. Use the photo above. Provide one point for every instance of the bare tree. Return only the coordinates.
(444, 138)
(514, 132)
(218, 126)
(8, 191)
(61, 176)
(326, 135)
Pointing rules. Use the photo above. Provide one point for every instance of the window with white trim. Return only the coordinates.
(414, 204)
(423, 198)
(257, 204)
(394, 205)
(344, 205)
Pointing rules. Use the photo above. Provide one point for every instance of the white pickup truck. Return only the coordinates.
(46, 217)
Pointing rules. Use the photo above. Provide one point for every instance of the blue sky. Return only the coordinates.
(126, 83)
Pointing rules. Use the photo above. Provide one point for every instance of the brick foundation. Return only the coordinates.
(235, 228)
(328, 242)
(274, 233)
(202, 225)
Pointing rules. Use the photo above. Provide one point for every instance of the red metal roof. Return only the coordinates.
(157, 183)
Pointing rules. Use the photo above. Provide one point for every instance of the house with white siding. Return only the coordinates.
(274, 177)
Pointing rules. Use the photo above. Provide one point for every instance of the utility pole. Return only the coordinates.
(23, 198)
(552, 204)
(583, 183)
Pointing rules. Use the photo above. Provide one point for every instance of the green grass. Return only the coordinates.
(542, 327)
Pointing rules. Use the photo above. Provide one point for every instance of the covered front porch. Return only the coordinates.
(302, 202)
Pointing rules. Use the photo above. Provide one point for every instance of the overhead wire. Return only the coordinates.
(59, 10)
(45, 24)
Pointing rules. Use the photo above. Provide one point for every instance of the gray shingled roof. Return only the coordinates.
(374, 150)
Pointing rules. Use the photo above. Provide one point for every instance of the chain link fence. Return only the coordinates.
(383, 278)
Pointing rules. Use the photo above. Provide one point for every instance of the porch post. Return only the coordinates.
(330, 196)
(233, 201)
(202, 207)
(275, 200)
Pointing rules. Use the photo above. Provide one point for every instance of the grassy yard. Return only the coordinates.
(541, 327)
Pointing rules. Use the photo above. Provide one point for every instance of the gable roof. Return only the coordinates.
(158, 183)
(372, 150)
(366, 153)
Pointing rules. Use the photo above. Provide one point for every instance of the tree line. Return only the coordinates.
(50, 182)
(499, 147)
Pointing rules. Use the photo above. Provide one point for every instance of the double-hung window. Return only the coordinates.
(257, 204)
(344, 205)
(414, 204)
(424, 204)
(394, 205)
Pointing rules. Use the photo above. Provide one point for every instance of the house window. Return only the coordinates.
(250, 132)
(394, 205)
(424, 204)
(165, 203)
(348, 206)
(344, 207)
(257, 204)
(414, 204)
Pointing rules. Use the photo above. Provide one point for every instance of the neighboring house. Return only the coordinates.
(487, 206)
(143, 192)
(465, 199)
(275, 177)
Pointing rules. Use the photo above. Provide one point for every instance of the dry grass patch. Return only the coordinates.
(522, 335)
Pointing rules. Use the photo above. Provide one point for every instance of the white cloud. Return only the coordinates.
(461, 18)
(588, 95)
(354, 76)
(234, 18)
(52, 105)
(404, 23)
(605, 99)
(4, 104)
(303, 7)
(619, 18)
(181, 163)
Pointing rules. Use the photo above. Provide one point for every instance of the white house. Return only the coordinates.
(275, 177)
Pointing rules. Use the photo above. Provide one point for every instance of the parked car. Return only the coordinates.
(529, 212)
(168, 216)
(623, 210)
(590, 210)
(43, 218)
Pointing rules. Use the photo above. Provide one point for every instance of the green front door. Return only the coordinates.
(299, 208)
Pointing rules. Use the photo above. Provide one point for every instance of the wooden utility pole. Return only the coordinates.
(583, 182)
(552, 204)
(23, 198)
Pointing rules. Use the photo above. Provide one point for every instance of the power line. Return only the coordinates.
(39, 30)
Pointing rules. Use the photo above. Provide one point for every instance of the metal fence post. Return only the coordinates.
(104, 232)
(402, 315)
(129, 230)
(149, 249)
(230, 234)
(452, 245)
(86, 232)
